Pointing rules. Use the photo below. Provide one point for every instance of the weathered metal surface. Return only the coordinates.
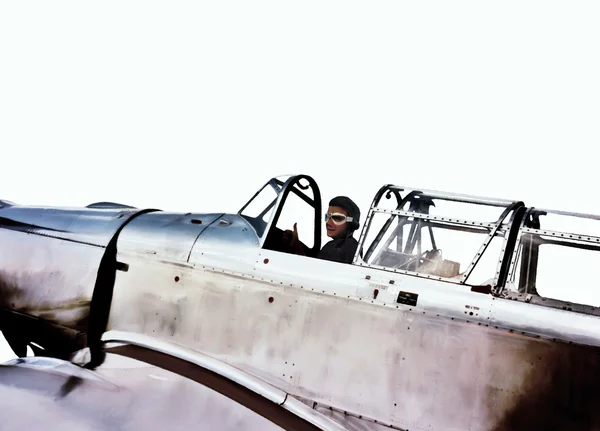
(131, 394)
(141, 347)
(84, 225)
(48, 278)
(51, 262)
(165, 236)
(401, 348)
(422, 371)
(50, 259)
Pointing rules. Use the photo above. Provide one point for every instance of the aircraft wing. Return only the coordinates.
(146, 385)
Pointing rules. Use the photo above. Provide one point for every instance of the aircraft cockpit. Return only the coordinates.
(280, 203)
(555, 260)
(439, 235)
(490, 244)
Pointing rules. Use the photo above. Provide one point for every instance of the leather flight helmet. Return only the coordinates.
(350, 207)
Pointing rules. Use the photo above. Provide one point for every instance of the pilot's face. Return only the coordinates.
(335, 230)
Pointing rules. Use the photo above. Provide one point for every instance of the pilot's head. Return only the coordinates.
(342, 217)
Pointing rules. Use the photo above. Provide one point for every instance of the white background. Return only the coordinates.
(193, 105)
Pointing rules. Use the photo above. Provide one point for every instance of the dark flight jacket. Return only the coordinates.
(339, 250)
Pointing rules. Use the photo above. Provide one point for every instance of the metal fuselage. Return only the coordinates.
(397, 347)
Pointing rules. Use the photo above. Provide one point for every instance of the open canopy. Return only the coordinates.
(513, 249)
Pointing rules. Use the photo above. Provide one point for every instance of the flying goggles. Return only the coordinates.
(337, 218)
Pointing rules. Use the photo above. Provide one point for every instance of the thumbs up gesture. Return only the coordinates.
(291, 238)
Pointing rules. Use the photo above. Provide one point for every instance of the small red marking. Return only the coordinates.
(176, 278)
(266, 261)
(271, 299)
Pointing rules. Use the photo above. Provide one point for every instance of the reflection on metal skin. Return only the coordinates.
(130, 394)
(269, 392)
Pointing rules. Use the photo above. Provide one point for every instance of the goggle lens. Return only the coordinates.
(337, 218)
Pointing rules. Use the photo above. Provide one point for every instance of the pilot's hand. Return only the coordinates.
(291, 236)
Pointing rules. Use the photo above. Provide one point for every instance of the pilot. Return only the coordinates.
(342, 219)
